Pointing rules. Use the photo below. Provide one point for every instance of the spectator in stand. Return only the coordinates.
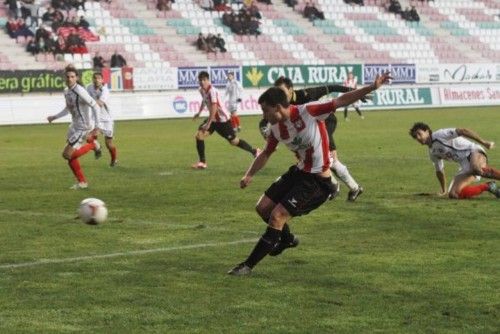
(204, 44)
(220, 43)
(16, 28)
(222, 6)
(413, 15)
(267, 2)
(312, 13)
(12, 8)
(163, 5)
(395, 7)
(98, 62)
(83, 23)
(253, 10)
(117, 60)
(32, 47)
(237, 26)
(291, 3)
(75, 44)
(79, 3)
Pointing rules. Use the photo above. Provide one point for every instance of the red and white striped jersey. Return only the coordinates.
(305, 134)
(212, 96)
(351, 83)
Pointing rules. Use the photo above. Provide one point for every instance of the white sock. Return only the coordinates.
(343, 173)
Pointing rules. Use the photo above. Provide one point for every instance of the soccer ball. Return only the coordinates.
(92, 211)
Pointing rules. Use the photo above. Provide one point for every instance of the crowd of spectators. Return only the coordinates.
(211, 43)
(164, 5)
(55, 29)
(355, 2)
(117, 60)
(245, 21)
(409, 14)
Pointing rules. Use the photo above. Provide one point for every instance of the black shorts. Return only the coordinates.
(224, 129)
(300, 192)
(331, 125)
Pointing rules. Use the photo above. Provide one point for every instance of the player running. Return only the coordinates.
(233, 94)
(84, 122)
(303, 96)
(451, 144)
(352, 82)
(218, 121)
(100, 93)
(306, 185)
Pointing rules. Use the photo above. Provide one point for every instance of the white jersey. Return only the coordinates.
(448, 145)
(212, 96)
(233, 92)
(82, 107)
(101, 94)
(305, 134)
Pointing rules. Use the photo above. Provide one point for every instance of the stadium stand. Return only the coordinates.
(147, 37)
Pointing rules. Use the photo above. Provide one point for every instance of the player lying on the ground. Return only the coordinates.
(306, 185)
(450, 144)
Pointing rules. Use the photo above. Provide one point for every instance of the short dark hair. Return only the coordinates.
(203, 75)
(283, 81)
(97, 74)
(419, 126)
(71, 68)
(274, 96)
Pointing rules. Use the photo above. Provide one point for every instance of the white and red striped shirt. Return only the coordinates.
(304, 133)
(212, 96)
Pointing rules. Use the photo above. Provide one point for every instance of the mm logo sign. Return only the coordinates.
(188, 76)
(401, 73)
(306, 75)
(218, 74)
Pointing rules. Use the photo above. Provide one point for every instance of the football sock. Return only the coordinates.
(358, 111)
(76, 169)
(345, 112)
(112, 152)
(471, 191)
(237, 118)
(286, 235)
(234, 122)
(343, 173)
(265, 244)
(491, 173)
(82, 150)
(200, 147)
(246, 146)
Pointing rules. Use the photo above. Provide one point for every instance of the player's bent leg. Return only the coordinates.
(461, 182)
(479, 164)
(68, 152)
(264, 207)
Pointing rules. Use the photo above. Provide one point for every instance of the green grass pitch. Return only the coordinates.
(391, 262)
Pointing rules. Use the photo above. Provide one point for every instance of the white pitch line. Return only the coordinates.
(119, 254)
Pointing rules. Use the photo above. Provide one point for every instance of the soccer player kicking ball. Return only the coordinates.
(306, 185)
(84, 122)
(218, 121)
(100, 93)
(451, 144)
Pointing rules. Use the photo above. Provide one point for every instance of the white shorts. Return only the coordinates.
(107, 128)
(232, 107)
(466, 167)
(75, 137)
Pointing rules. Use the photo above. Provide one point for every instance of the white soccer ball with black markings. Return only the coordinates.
(93, 211)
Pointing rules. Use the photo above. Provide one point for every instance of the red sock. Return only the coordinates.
(77, 170)
(82, 150)
(234, 122)
(491, 173)
(112, 151)
(237, 121)
(471, 191)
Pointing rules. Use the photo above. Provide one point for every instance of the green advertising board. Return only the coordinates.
(404, 97)
(31, 81)
(301, 75)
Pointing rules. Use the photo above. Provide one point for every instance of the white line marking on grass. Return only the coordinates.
(120, 254)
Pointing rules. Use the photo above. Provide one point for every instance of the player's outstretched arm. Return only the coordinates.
(52, 118)
(474, 136)
(442, 182)
(353, 96)
(257, 164)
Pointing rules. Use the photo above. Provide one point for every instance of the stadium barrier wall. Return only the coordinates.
(33, 109)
